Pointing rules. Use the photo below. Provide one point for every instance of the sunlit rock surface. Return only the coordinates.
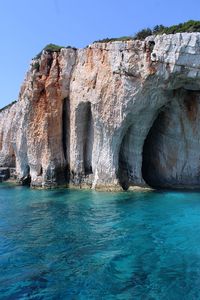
(110, 116)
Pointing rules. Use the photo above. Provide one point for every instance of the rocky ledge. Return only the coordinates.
(110, 116)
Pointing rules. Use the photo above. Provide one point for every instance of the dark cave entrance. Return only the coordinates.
(85, 135)
(171, 156)
(1, 140)
(125, 158)
(13, 159)
(65, 141)
(88, 137)
(66, 128)
(150, 157)
(26, 180)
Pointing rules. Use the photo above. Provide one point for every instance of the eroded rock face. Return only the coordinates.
(108, 116)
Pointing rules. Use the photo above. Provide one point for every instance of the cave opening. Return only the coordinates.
(125, 155)
(26, 180)
(66, 138)
(171, 156)
(13, 159)
(1, 141)
(88, 136)
(66, 128)
(40, 172)
(150, 157)
(84, 132)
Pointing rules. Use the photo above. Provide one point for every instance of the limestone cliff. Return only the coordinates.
(108, 116)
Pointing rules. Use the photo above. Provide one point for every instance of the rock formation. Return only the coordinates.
(110, 116)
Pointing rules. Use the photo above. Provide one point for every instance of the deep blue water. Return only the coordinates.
(67, 244)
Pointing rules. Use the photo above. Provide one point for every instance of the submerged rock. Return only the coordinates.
(110, 116)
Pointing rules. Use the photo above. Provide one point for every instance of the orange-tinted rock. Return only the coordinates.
(83, 116)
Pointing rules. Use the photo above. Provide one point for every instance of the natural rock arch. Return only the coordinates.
(26, 179)
(171, 151)
(82, 140)
(87, 133)
(66, 128)
(66, 135)
(10, 158)
(125, 170)
(136, 129)
(13, 160)
(1, 140)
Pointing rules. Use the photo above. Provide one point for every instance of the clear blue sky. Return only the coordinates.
(26, 26)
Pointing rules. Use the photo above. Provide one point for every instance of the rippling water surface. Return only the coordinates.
(67, 244)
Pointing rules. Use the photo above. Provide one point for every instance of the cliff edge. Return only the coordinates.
(110, 116)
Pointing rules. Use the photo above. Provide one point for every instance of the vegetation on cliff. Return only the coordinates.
(122, 38)
(51, 48)
(189, 26)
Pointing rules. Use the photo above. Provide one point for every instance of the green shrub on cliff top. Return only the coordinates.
(189, 26)
(122, 38)
(51, 48)
(142, 34)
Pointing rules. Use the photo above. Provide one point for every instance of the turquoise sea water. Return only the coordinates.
(67, 244)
